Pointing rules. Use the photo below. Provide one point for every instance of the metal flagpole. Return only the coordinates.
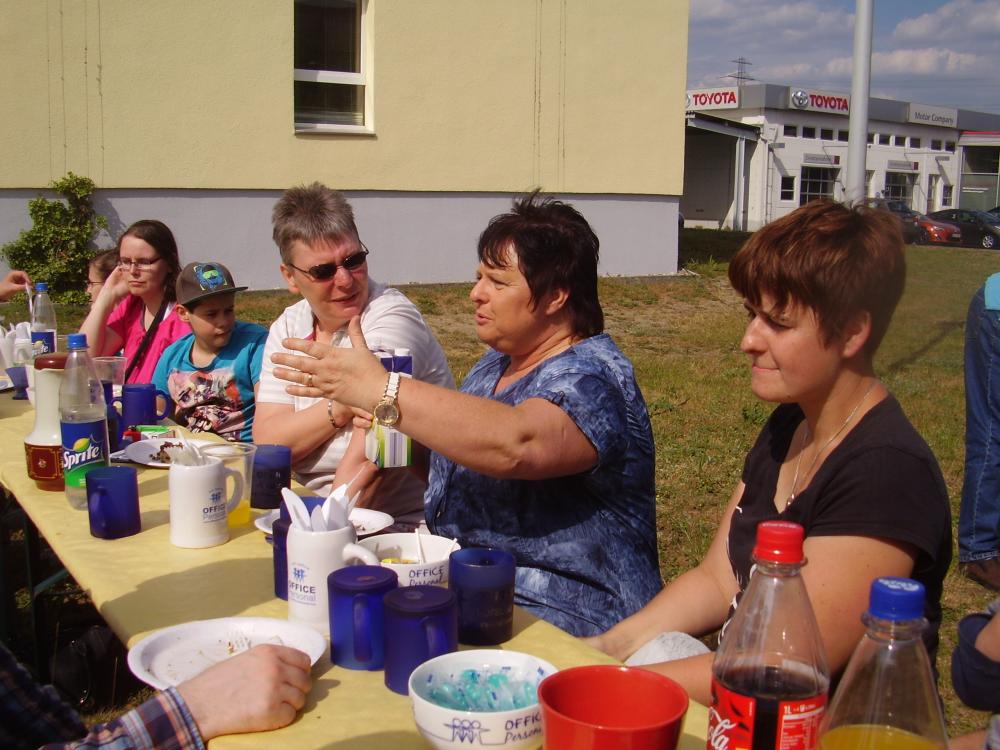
(857, 143)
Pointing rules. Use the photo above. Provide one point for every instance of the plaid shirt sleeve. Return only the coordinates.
(34, 716)
(161, 723)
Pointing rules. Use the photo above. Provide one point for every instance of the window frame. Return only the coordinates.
(363, 78)
(788, 190)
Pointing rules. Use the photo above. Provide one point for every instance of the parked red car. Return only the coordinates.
(938, 232)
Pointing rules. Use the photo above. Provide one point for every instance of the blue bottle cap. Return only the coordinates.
(76, 341)
(896, 599)
(41, 286)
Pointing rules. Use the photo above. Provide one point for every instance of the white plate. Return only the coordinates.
(366, 521)
(170, 656)
(142, 451)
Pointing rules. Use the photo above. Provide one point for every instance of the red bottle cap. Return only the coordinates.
(779, 541)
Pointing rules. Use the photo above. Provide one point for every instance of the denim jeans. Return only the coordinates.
(980, 512)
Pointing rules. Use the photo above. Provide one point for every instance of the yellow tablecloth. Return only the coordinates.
(143, 583)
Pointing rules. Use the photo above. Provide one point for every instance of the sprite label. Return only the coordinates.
(84, 447)
(43, 342)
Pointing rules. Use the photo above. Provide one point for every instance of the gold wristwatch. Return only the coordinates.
(386, 411)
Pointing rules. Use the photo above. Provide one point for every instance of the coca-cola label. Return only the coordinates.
(798, 722)
(730, 719)
(734, 716)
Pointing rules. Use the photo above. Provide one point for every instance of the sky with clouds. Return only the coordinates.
(925, 51)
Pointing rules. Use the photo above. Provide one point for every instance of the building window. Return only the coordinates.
(899, 140)
(949, 146)
(826, 134)
(787, 188)
(808, 131)
(946, 191)
(898, 187)
(935, 145)
(791, 131)
(914, 142)
(871, 138)
(331, 66)
(816, 182)
(843, 135)
(883, 139)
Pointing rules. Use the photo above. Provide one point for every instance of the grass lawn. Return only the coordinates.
(682, 333)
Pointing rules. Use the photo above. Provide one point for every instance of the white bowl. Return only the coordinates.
(404, 547)
(516, 729)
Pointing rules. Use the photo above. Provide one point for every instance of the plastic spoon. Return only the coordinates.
(420, 547)
(318, 522)
(297, 510)
(195, 455)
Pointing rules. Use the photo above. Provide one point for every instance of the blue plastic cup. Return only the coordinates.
(138, 402)
(272, 471)
(420, 623)
(113, 502)
(279, 550)
(357, 615)
(311, 502)
(483, 581)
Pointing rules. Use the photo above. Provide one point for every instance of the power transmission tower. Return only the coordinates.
(741, 76)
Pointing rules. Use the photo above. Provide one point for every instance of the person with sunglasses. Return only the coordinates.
(324, 260)
(135, 308)
(547, 451)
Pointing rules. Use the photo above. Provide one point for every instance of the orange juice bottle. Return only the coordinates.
(887, 698)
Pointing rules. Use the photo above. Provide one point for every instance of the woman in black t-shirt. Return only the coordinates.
(837, 456)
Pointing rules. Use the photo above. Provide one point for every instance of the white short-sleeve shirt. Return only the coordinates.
(389, 321)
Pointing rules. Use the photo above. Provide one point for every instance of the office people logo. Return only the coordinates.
(298, 573)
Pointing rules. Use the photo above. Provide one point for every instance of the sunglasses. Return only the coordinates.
(326, 271)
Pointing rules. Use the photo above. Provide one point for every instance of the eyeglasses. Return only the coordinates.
(140, 264)
(93, 283)
(326, 271)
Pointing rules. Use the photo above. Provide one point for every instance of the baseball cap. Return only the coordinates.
(201, 280)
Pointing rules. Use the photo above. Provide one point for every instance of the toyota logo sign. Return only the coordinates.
(800, 98)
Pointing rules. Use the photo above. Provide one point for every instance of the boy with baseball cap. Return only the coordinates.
(211, 374)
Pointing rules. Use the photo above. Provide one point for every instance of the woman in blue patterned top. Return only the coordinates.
(547, 450)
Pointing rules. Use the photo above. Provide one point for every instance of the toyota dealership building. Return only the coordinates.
(755, 152)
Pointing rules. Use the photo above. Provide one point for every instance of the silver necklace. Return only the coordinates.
(805, 437)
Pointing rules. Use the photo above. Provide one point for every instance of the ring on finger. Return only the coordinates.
(309, 382)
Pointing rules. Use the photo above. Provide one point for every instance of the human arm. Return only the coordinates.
(533, 440)
(696, 602)
(12, 283)
(276, 420)
(101, 339)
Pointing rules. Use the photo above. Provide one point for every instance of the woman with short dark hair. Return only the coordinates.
(547, 451)
(837, 456)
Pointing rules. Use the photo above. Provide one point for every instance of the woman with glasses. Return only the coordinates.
(135, 307)
(324, 261)
(548, 450)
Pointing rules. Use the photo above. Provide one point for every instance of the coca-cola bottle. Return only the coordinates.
(769, 678)
(887, 699)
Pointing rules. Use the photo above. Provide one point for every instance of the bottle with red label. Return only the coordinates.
(769, 677)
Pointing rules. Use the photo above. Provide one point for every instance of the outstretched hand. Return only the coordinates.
(255, 691)
(354, 377)
(12, 283)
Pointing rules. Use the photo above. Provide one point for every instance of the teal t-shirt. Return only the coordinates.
(217, 398)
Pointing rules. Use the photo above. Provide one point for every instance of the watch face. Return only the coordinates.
(386, 413)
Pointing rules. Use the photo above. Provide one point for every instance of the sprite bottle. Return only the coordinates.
(83, 420)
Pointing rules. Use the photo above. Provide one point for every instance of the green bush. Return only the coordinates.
(60, 242)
